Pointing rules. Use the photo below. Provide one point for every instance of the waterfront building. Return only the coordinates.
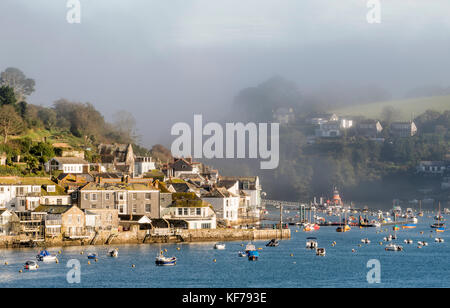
(9, 222)
(69, 221)
(225, 203)
(250, 185)
(126, 198)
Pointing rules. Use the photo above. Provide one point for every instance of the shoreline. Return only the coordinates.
(141, 237)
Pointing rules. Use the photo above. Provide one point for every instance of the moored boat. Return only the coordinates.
(219, 246)
(45, 256)
(321, 252)
(162, 260)
(311, 243)
(409, 226)
(253, 255)
(113, 253)
(92, 256)
(393, 247)
(273, 243)
(30, 265)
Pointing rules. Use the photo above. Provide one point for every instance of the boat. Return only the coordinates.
(393, 247)
(311, 243)
(249, 247)
(365, 241)
(441, 229)
(45, 256)
(409, 241)
(345, 228)
(273, 243)
(253, 255)
(114, 253)
(321, 252)
(219, 246)
(396, 228)
(242, 254)
(30, 265)
(92, 256)
(162, 260)
(388, 238)
(409, 226)
(439, 240)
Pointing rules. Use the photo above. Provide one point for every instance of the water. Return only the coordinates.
(426, 267)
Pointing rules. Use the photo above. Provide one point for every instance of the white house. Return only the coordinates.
(225, 203)
(329, 130)
(67, 165)
(250, 185)
(7, 221)
(197, 217)
(21, 194)
(143, 165)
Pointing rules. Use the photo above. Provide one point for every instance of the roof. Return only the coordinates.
(111, 153)
(14, 180)
(53, 209)
(117, 186)
(59, 190)
(219, 192)
(70, 160)
(188, 200)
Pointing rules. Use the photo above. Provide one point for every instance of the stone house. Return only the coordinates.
(9, 222)
(117, 157)
(69, 221)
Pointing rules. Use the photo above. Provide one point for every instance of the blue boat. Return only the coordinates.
(92, 256)
(253, 255)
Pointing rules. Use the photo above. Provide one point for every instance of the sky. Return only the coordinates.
(165, 60)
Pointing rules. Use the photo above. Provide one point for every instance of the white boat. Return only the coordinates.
(30, 265)
(219, 246)
(45, 256)
(242, 254)
(162, 260)
(414, 220)
(311, 243)
(409, 241)
(439, 240)
(114, 253)
(250, 247)
(393, 247)
(365, 241)
(388, 238)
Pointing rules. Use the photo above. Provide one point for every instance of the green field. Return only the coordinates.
(408, 107)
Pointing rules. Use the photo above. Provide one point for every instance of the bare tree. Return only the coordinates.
(10, 122)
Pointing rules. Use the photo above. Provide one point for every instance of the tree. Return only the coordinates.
(17, 80)
(10, 122)
(390, 114)
(125, 123)
(7, 96)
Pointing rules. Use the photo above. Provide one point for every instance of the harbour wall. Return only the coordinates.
(143, 237)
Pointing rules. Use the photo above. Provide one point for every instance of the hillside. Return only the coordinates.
(407, 107)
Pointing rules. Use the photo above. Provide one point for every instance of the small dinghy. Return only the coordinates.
(219, 246)
(30, 265)
(409, 241)
(249, 247)
(92, 256)
(321, 252)
(45, 256)
(273, 243)
(242, 254)
(393, 247)
(114, 253)
(365, 241)
(439, 240)
(162, 260)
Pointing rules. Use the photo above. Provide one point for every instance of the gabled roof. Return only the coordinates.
(219, 192)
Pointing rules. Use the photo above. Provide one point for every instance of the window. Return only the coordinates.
(36, 188)
(134, 208)
(94, 206)
(191, 212)
(86, 196)
(185, 213)
(121, 196)
(148, 196)
(59, 201)
(47, 201)
(51, 188)
(2, 189)
(121, 209)
(180, 212)
(134, 196)
(107, 196)
(198, 211)
(94, 197)
(206, 226)
(148, 208)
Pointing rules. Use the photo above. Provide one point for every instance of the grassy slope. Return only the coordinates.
(52, 137)
(408, 107)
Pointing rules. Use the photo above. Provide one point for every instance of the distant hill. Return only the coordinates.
(408, 107)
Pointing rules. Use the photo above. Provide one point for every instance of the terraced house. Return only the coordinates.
(126, 198)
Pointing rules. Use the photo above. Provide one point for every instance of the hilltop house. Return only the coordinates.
(403, 129)
(196, 212)
(117, 157)
(9, 222)
(284, 115)
(67, 165)
(61, 219)
(329, 130)
(126, 198)
(369, 128)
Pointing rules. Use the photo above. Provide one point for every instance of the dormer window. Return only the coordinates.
(51, 188)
